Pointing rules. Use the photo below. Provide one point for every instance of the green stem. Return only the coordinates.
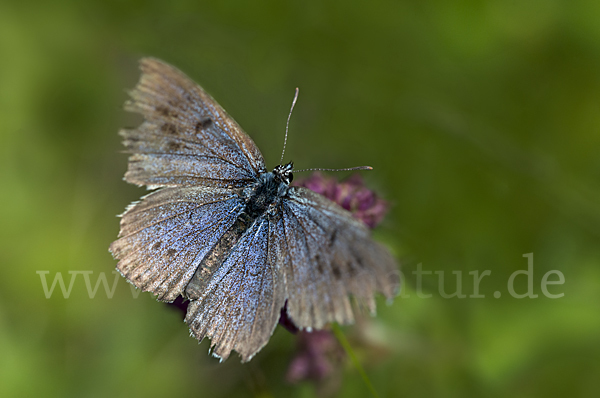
(344, 342)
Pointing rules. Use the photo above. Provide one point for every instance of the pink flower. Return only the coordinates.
(351, 194)
(316, 351)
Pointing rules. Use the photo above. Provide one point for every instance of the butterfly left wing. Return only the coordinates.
(241, 305)
(327, 256)
(186, 138)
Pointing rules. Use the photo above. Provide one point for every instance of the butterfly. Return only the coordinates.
(223, 232)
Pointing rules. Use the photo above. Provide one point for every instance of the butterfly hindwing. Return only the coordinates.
(186, 137)
(240, 307)
(164, 237)
(329, 255)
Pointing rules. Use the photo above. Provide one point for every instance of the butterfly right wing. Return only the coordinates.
(165, 236)
(186, 138)
(328, 256)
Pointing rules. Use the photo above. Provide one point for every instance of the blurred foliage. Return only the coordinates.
(480, 118)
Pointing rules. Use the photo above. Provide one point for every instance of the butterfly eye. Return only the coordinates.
(290, 177)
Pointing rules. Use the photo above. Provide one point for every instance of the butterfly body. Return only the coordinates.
(267, 192)
(236, 240)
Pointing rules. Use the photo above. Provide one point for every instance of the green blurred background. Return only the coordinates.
(481, 119)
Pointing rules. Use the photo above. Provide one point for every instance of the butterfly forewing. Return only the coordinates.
(187, 138)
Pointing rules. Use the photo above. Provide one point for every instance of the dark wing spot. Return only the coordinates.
(319, 264)
(187, 97)
(203, 124)
(171, 252)
(174, 103)
(168, 128)
(156, 245)
(164, 111)
(360, 262)
(174, 146)
(333, 237)
(351, 270)
(336, 271)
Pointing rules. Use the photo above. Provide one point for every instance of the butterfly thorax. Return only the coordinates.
(267, 191)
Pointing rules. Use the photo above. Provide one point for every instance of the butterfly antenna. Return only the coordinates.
(287, 125)
(348, 169)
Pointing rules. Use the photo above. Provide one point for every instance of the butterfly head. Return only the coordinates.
(284, 172)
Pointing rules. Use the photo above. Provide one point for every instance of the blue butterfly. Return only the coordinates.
(233, 238)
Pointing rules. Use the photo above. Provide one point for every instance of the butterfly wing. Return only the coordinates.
(164, 237)
(186, 137)
(328, 255)
(240, 307)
